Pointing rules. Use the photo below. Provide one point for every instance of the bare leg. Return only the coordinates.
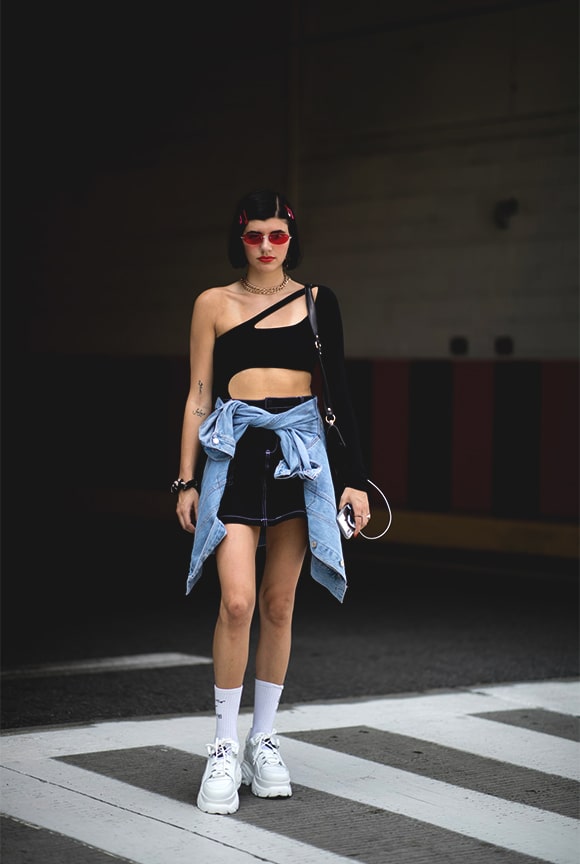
(285, 549)
(236, 563)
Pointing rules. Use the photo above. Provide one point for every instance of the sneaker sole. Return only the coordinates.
(282, 790)
(219, 808)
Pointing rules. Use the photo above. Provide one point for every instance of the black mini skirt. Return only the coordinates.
(252, 496)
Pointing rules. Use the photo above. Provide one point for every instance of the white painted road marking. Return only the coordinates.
(108, 664)
(523, 829)
(141, 826)
(124, 820)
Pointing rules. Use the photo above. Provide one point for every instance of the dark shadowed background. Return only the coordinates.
(431, 152)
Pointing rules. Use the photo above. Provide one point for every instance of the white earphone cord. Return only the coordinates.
(378, 536)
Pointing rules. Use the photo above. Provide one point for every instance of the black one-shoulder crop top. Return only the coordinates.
(292, 347)
(247, 346)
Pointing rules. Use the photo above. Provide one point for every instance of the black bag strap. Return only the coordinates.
(329, 415)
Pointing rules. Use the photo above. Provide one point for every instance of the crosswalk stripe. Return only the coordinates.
(494, 820)
(143, 827)
(498, 741)
(561, 696)
(42, 790)
(107, 664)
(445, 719)
(523, 785)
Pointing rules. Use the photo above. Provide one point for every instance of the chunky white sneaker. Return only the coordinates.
(221, 779)
(264, 768)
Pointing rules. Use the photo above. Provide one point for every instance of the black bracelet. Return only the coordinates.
(181, 485)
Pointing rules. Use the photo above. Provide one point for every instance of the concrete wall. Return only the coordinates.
(396, 133)
(411, 135)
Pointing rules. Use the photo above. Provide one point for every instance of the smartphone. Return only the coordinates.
(346, 523)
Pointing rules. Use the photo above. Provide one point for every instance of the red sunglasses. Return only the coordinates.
(255, 238)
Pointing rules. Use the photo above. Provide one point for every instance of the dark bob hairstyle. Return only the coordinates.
(262, 205)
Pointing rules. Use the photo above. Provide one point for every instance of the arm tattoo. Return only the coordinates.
(199, 412)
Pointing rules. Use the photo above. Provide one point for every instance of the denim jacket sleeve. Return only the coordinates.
(303, 455)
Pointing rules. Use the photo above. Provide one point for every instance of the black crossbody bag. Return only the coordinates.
(329, 415)
(335, 443)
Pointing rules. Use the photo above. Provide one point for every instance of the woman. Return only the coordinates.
(253, 427)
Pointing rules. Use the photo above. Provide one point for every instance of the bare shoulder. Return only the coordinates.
(210, 297)
(211, 302)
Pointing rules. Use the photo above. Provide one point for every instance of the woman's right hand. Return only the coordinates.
(186, 509)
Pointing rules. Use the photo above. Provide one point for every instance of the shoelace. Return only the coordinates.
(221, 756)
(269, 750)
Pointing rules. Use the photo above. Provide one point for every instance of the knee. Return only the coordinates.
(277, 608)
(237, 609)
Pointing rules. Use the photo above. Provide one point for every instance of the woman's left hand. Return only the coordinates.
(359, 502)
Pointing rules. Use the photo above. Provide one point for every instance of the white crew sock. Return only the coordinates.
(227, 708)
(266, 699)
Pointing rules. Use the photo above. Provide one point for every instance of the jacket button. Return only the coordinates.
(341, 562)
(215, 440)
(314, 544)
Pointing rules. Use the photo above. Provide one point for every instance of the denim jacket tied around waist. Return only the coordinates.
(301, 433)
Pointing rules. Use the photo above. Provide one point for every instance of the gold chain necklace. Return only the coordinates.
(255, 289)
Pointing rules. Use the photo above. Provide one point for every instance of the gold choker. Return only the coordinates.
(254, 289)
